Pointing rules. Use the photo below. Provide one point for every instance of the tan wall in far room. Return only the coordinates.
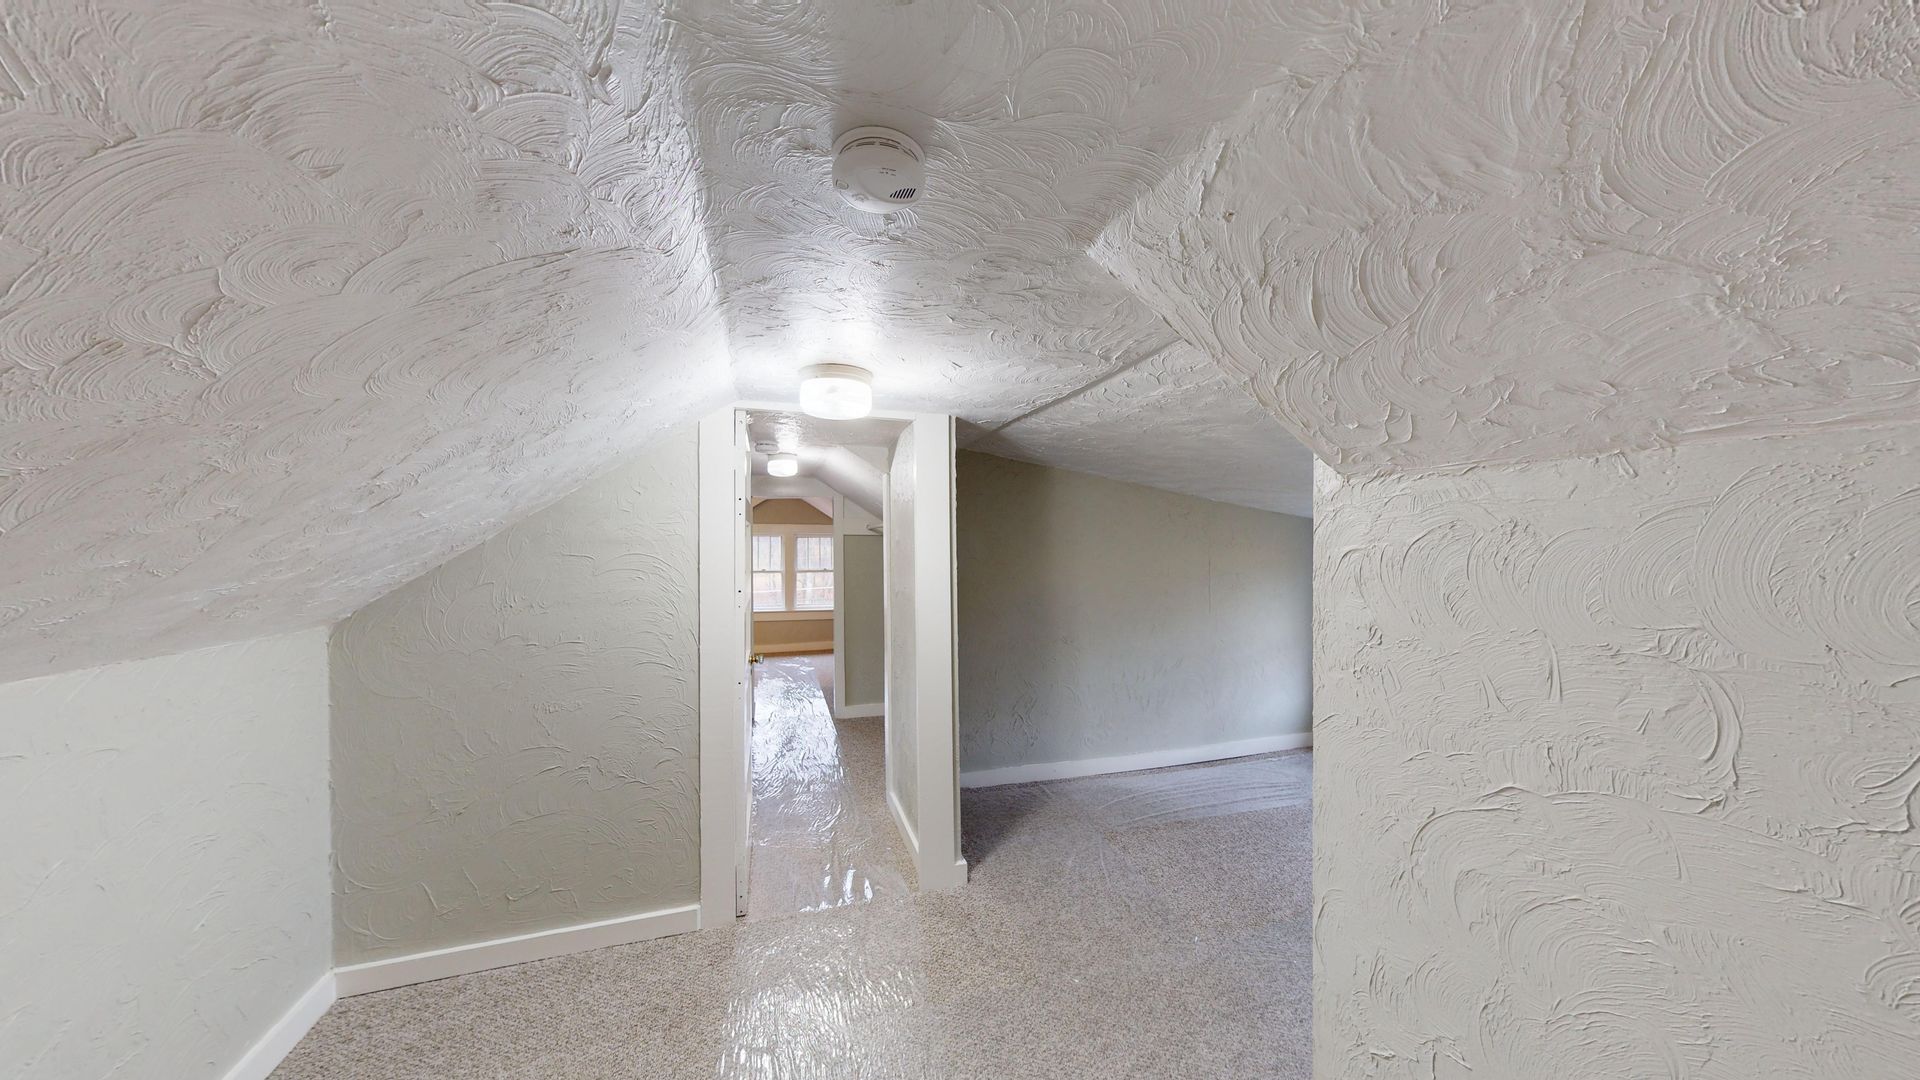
(788, 635)
(788, 512)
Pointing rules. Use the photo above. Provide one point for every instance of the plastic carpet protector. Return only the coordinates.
(821, 836)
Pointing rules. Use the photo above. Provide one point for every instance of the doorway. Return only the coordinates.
(827, 665)
(819, 832)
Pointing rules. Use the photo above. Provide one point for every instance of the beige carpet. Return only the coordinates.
(1147, 925)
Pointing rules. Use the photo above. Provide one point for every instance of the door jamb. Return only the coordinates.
(721, 515)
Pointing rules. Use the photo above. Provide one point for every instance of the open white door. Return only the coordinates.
(743, 588)
(923, 783)
(726, 695)
(941, 866)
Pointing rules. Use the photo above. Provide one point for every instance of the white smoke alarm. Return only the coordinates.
(878, 169)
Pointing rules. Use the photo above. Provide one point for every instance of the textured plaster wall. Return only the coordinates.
(1617, 766)
(515, 739)
(1099, 618)
(164, 895)
(903, 762)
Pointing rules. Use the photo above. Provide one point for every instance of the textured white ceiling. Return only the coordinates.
(1535, 229)
(1041, 121)
(1174, 421)
(298, 299)
(790, 430)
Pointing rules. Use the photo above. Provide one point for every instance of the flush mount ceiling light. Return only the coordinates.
(783, 465)
(836, 391)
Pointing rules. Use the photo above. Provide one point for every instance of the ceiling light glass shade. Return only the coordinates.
(836, 392)
(783, 465)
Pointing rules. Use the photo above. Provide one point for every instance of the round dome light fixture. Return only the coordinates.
(836, 391)
(783, 465)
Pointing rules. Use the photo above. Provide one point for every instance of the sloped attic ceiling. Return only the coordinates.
(297, 300)
(1537, 229)
(301, 299)
(1042, 122)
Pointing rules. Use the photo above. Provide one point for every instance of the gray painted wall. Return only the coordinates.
(863, 633)
(516, 732)
(903, 781)
(1617, 764)
(165, 896)
(1099, 618)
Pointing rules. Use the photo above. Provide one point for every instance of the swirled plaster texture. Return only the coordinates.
(516, 732)
(1618, 766)
(1172, 421)
(164, 895)
(1041, 121)
(298, 300)
(1532, 229)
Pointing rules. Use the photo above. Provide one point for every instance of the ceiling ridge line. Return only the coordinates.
(1094, 384)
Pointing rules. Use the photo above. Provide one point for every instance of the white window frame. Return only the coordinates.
(788, 568)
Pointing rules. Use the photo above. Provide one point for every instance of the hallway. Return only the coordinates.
(1138, 925)
(821, 835)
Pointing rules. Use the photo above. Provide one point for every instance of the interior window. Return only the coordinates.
(769, 574)
(813, 573)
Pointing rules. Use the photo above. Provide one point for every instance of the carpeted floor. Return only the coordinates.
(1143, 925)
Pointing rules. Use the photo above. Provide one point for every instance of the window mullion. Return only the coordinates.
(791, 575)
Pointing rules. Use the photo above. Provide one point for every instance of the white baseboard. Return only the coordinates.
(266, 1053)
(796, 648)
(860, 712)
(520, 949)
(944, 877)
(1153, 759)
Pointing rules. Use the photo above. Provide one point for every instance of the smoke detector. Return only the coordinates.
(878, 169)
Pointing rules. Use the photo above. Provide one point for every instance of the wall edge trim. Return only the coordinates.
(1152, 759)
(278, 1041)
(377, 975)
(906, 830)
(861, 712)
